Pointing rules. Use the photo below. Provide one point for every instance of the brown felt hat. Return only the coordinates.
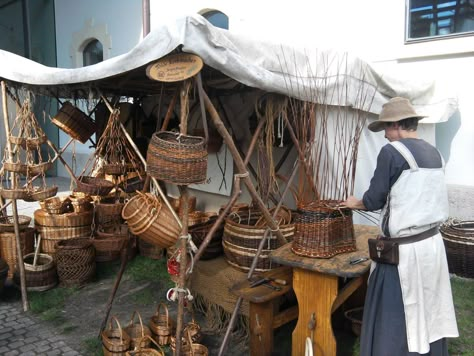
(394, 110)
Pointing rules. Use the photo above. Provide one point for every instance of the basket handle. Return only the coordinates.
(166, 311)
(190, 340)
(113, 317)
(140, 347)
(130, 324)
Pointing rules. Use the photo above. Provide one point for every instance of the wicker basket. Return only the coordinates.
(94, 185)
(322, 231)
(38, 168)
(198, 233)
(114, 169)
(8, 247)
(161, 325)
(7, 223)
(149, 250)
(80, 202)
(74, 122)
(56, 205)
(75, 261)
(189, 348)
(108, 245)
(355, 317)
(242, 238)
(458, 237)
(147, 351)
(151, 221)
(20, 193)
(39, 277)
(115, 341)
(177, 159)
(137, 332)
(43, 218)
(42, 193)
(16, 167)
(176, 204)
(28, 143)
(131, 185)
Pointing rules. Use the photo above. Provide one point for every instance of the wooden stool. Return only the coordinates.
(264, 309)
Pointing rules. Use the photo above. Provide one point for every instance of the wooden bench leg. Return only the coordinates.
(261, 328)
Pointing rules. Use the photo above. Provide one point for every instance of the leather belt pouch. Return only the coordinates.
(383, 251)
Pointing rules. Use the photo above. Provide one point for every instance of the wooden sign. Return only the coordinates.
(175, 68)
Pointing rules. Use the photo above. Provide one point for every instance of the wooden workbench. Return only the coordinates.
(315, 282)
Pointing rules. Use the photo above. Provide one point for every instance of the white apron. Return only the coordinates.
(418, 201)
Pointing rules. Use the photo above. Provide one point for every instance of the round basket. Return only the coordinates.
(74, 122)
(43, 218)
(75, 261)
(137, 332)
(7, 223)
(458, 237)
(94, 185)
(8, 247)
(39, 277)
(114, 169)
(161, 325)
(56, 205)
(115, 341)
(198, 233)
(242, 238)
(177, 159)
(151, 221)
(80, 202)
(50, 236)
(355, 317)
(323, 231)
(42, 193)
(108, 245)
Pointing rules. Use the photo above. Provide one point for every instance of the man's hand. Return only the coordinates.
(353, 203)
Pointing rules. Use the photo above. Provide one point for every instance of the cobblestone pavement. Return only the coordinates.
(20, 334)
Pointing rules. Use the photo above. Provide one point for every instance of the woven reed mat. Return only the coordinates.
(210, 283)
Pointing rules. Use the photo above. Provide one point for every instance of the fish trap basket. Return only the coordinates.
(458, 237)
(7, 223)
(199, 232)
(115, 341)
(161, 325)
(8, 247)
(323, 231)
(151, 220)
(176, 158)
(242, 237)
(94, 186)
(75, 261)
(74, 122)
(137, 332)
(41, 276)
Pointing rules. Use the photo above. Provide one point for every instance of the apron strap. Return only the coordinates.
(405, 152)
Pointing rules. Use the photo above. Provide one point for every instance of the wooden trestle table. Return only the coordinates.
(315, 283)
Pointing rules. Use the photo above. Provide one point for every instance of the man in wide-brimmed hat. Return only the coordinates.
(409, 307)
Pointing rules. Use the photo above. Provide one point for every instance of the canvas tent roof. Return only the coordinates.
(248, 63)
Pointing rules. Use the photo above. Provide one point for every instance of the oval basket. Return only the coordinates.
(14, 193)
(161, 325)
(74, 122)
(458, 238)
(38, 168)
(177, 159)
(94, 185)
(108, 245)
(137, 332)
(198, 233)
(115, 341)
(146, 351)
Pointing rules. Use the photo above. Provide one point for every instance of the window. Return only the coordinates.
(217, 18)
(427, 19)
(93, 53)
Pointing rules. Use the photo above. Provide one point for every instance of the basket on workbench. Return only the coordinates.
(176, 158)
(243, 231)
(458, 237)
(323, 230)
(74, 122)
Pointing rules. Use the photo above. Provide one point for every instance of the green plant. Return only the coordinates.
(143, 297)
(92, 346)
(146, 269)
(48, 305)
(463, 295)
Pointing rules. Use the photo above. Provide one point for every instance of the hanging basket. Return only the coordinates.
(38, 168)
(42, 193)
(16, 167)
(137, 332)
(114, 169)
(29, 143)
(177, 159)
(115, 341)
(94, 185)
(74, 122)
(161, 325)
(323, 231)
(458, 237)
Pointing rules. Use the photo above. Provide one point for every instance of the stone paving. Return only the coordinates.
(21, 334)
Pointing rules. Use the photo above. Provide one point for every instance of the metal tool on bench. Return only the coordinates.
(266, 281)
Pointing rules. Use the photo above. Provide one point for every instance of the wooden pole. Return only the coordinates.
(21, 266)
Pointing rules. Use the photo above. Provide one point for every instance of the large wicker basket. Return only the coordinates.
(323, 231)
(7, 223)
(74, 122)
(75, 260)
(8, 247)
(41, 276)
(177, 159)
(108, 245)
(458, 237)
(242, 238)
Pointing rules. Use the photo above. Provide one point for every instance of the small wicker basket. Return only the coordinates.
(115, 341)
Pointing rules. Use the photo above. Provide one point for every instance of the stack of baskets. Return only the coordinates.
(8, 248)
(75, 261)
(323, 231)
(458, 237)
(243, 232)
(151, 220)
(58, 227)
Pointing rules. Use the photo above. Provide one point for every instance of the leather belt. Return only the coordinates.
(414, 238)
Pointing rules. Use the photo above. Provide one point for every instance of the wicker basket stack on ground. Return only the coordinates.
(137, 332)
(75, 261)
(151, 220)
(108, 213)
(39, 276)
(8, 248)
(108, 245)
(58, 227)
(458, 237)
(198, 233)
(115, 341)
(323, 230)
(243, 232)
(161, 325)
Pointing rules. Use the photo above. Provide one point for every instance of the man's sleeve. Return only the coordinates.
(376, 196)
